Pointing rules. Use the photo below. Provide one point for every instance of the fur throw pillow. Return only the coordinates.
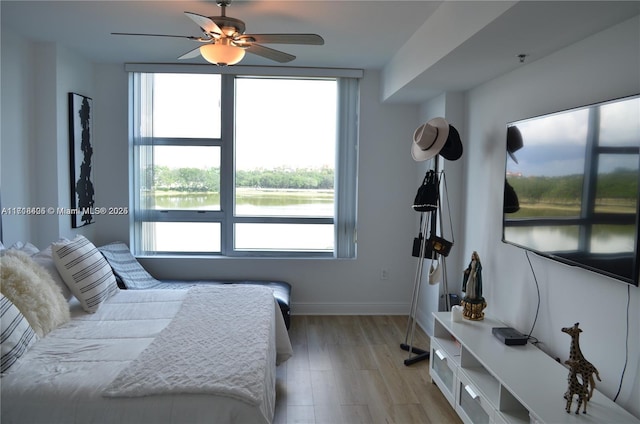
(31, 289)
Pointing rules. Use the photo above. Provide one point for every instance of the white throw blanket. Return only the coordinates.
(216, 344)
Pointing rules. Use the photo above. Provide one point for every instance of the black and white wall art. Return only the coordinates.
(81, 154)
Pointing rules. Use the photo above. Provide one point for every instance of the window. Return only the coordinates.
(244, 165)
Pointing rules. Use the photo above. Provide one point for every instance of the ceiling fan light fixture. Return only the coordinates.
(222, 53)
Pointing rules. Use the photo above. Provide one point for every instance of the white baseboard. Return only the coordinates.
(350, 308)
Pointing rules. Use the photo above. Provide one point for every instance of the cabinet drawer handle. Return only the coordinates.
(440, 355)
(471, 392)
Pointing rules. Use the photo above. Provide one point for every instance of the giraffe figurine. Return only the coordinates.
(575, 388)
(582, 366)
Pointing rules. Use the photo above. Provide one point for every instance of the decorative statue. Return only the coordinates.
(575, 388)
(473, 303)
(578, 365)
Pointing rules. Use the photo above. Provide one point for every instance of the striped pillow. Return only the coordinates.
(17, 335)
(85, 271)
(125, 266)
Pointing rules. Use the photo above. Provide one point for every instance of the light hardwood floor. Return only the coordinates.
(350, 369)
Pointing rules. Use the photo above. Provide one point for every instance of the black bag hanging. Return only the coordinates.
(437, 245)
(417, 244)
(427, 197)
(429, 251)
(434, 245)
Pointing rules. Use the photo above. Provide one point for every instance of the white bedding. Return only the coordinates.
(62, 378)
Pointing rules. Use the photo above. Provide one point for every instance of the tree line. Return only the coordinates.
(619, 184)
(208, 180)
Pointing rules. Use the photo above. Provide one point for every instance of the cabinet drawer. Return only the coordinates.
(499, 419)
(472, 406)
(443, 370)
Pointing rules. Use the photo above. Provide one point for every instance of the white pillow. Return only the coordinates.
(17, 335)
(85, 271)
(45, 259)
(27, 248)
(30, 288)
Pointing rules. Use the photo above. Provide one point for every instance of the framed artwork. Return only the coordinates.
(81, 154)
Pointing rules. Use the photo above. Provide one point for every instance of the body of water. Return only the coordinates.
(206, 236)
(254, 202)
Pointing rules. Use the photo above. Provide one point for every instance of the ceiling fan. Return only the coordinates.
(223, 41)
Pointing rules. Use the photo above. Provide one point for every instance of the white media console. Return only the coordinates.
(488, 382)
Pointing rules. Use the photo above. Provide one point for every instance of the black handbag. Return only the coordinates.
(417, 244)
(437, 245)
(434, 246)
(427, 196)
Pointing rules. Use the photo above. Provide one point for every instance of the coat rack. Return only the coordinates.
(428, 220)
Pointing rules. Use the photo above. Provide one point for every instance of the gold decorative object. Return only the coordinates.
(473, 309)
(473, 304)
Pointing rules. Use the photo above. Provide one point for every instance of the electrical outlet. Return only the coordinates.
(384, 274)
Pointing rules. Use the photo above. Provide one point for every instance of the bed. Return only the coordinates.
(131, 275)
(153, 356)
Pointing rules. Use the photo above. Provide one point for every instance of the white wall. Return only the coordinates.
(111, 150)
(601, 67)
(36, 80)
(17, 134)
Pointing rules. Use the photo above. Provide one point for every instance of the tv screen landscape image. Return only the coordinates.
(571, 187)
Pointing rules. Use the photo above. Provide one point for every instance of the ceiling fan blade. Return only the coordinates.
(205, 23)
(313, 39)
(159, 35)
(191, 54)
(269, 53)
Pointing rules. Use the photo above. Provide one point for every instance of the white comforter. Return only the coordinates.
(63, 377)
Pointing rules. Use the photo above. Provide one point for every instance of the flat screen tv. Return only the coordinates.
(571, 187)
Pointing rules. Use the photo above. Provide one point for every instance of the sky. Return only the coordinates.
(555, 144)
(290, 123)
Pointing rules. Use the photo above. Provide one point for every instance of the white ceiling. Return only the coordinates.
(358, 34)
